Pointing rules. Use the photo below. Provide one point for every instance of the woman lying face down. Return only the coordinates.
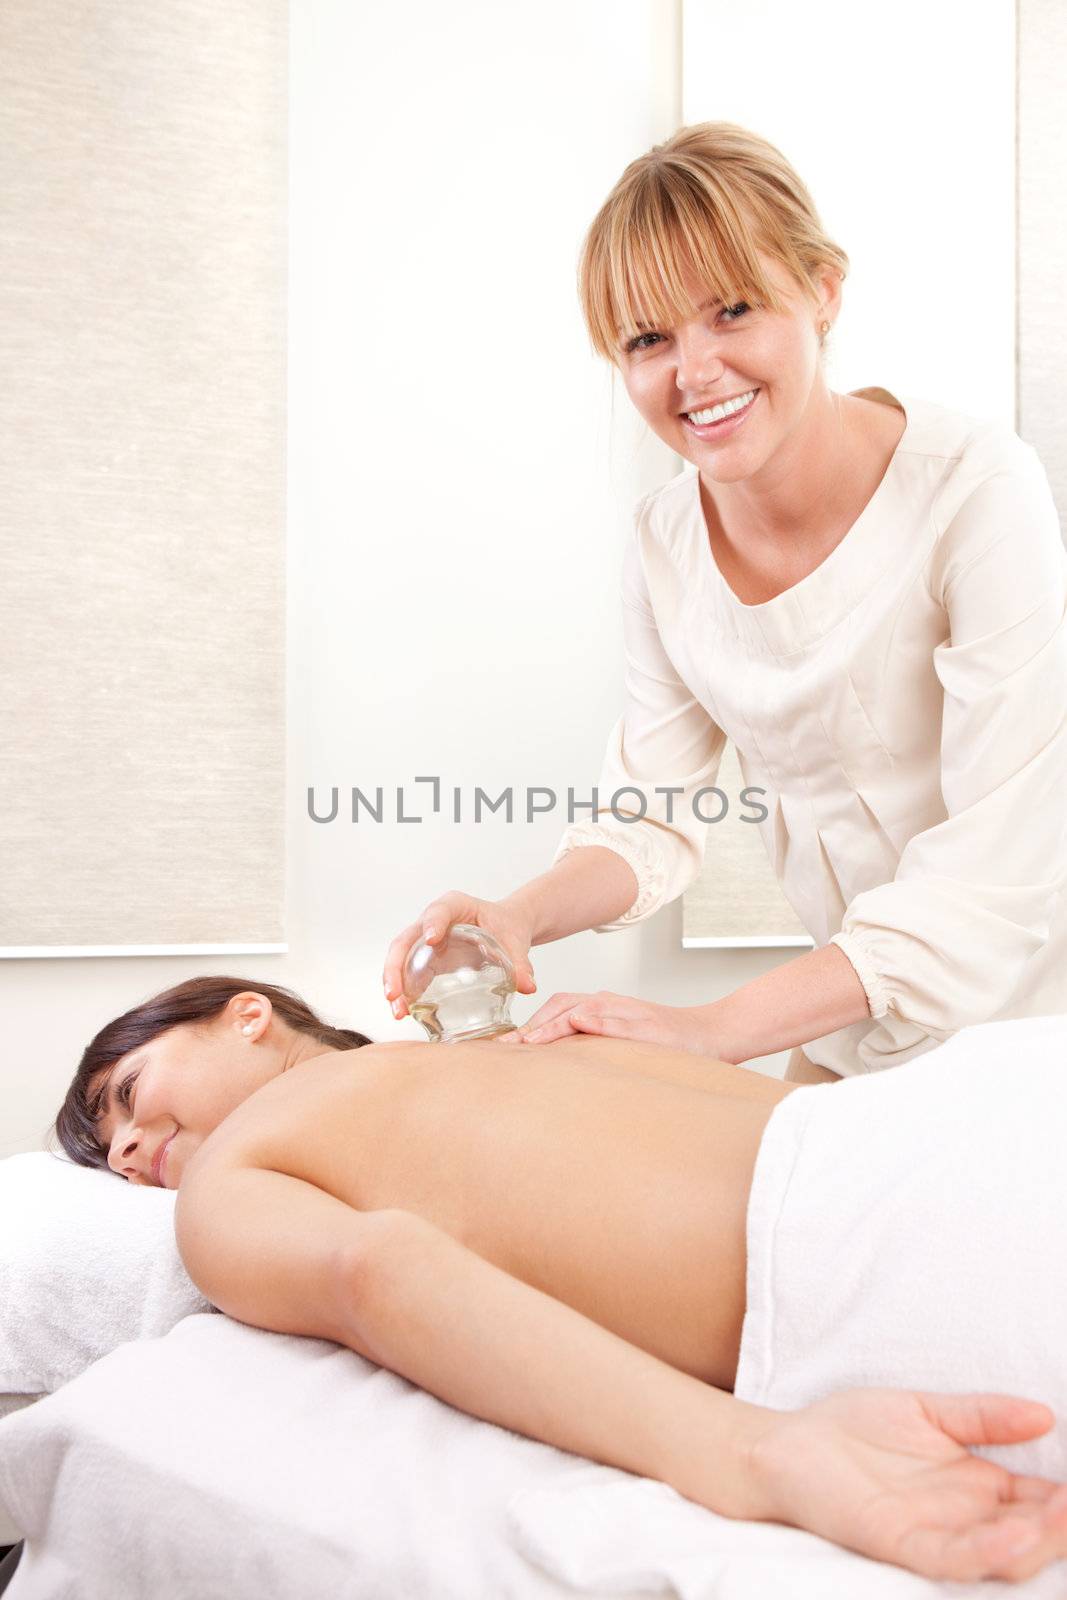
(552, 1238)
(177, 1054)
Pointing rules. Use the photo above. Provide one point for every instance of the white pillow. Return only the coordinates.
(87, 1262)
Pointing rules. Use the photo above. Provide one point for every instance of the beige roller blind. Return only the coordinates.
(736, 901)
(142, 474)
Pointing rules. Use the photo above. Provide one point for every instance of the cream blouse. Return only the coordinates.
(904, 708)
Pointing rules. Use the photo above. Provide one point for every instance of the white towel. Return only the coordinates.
(601, 1531)
(223, 1462)
(87, 1261)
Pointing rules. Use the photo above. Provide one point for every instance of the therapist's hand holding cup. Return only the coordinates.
(506, 925)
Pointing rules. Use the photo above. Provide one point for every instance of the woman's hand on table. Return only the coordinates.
(505, 925)
(618, 1016)
(886, 1472)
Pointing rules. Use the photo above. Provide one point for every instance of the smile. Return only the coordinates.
(717, 421)
(157, 1165)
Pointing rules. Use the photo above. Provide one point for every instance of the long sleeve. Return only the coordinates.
(943, 945)
(665, 739)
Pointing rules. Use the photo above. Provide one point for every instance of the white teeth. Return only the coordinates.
(716, 414)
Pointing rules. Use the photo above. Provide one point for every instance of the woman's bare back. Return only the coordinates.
(613, 1176)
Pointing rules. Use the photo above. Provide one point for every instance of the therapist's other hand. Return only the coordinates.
(506, 927)
(887, 1472)
(617, 1016)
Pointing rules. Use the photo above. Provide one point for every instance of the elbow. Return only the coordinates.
(940, 956)
(362, 1274)
(663, 862)
(371, 1270)
(387, 1240)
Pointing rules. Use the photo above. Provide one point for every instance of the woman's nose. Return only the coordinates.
(122, 1148)
(698, 365)
(697, 383)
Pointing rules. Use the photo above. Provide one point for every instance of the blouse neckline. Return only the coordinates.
(827, 576)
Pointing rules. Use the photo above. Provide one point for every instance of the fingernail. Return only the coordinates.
(536, 1033)
(396, 1008)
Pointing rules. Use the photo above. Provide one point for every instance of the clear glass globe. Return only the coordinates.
(460, 988)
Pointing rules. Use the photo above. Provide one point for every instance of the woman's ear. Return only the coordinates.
(831, 282)
(250, 1013)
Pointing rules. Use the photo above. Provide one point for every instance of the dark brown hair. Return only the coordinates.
(196, 1000)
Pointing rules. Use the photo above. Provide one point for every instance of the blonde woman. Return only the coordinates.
(866, 594)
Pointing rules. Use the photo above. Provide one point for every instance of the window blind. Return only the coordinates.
(142, 474)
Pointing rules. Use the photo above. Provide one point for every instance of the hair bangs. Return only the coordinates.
(194, 1004)
(76, 1129)
(668, 232)
(715, 203)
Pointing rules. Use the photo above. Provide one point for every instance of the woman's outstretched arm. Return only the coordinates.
(881, 1471)
(281, 1253)
(497, 1347)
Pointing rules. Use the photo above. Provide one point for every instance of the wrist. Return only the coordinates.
(522, 907)
(726, 1468)
(765, 1470)
(716, 1033)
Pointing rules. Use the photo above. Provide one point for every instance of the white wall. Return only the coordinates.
(902, 125)
(462, 469)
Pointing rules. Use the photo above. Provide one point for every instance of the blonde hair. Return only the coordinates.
(707, 199)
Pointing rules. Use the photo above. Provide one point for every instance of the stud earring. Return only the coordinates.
(824, 330)
(247, 1028)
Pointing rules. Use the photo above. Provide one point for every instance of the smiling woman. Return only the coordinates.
(163, 1071)
(865, 596)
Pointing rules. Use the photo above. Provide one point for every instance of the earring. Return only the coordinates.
(247, 1027)
(824, 330)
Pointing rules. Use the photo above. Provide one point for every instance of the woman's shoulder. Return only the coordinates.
(993, 499)
(669, 502)
(979, 477)
(303, 1100)
(972, 444)
(664, 542)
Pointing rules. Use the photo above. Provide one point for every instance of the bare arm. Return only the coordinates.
(268, 1248)
(587, 887)
(884, 1472)
(498, 1348)
(280, 1253)
(803, 999)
